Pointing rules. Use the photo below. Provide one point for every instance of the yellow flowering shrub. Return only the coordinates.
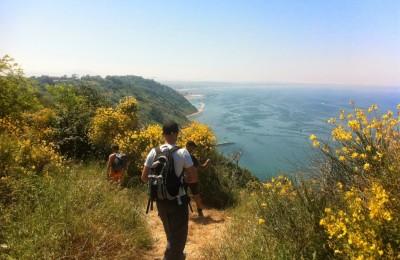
(202, 135)
(355, 229)
(21, 154)
(109, 122)
(280, 186)
(41, 123)
(368, 142)
(128, 106)
(137, 144)
(362, 220)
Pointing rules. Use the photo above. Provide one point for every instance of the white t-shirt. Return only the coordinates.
(182, 159)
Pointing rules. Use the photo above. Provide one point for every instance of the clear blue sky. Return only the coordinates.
(348, 41)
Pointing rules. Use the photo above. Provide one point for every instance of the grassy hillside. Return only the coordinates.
(76, 214)
(158, 102)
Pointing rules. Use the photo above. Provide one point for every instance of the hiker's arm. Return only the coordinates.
(191, 175)
(205, 164)
(147, 165)
(145, 174)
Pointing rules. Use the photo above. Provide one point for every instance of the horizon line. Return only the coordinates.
(213, 81)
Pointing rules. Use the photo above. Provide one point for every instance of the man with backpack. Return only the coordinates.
(193, 182)
(116, 165)
(163, 170)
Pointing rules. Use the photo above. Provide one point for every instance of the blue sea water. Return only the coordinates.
(270, 125)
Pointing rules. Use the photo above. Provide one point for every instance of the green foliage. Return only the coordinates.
(76, 215)
(221, 182)
(17, 93)
(158, 102)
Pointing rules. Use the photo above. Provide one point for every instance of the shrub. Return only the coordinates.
(137, 144)
(362, 218)
(17, 94)
(108, 123)
(202, 135)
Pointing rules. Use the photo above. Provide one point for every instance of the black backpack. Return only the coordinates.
(163, 183)
(120, 162)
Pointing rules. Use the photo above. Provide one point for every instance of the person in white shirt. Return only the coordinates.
(174, 216)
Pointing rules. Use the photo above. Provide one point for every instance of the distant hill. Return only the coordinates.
(157, 102)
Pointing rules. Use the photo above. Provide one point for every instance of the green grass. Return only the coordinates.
(76, 215)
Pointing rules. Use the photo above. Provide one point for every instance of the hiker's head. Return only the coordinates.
(191, 146)
(114, 148)
(170, 132)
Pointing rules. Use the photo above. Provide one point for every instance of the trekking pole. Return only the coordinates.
(148, 206)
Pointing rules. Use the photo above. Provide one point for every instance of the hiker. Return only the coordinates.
(172, 205)
(193, 182)
(116, 165)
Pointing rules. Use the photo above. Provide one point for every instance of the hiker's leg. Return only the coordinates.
(162, 208)
(194, 188)
(178, 231)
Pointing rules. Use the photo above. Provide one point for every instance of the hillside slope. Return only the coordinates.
(158, 102)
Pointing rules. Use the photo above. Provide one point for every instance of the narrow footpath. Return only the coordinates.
(202, 233)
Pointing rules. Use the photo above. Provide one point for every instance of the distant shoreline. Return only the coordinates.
(199, 110)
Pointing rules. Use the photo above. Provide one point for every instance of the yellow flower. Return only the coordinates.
(264, 205)
(340, 134)
(367, 166)
(342, 158)
(315, 143)
(373, 107)
(313, 137)
(261, 221)
(354, 155)
(354, 125)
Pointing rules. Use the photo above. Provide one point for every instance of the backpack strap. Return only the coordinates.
(174, 149)
(158, 150)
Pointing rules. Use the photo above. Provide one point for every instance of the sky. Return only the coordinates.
(353, 42)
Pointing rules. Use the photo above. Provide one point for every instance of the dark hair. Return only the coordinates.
(114, 147)
(170, 127)
(191, 143)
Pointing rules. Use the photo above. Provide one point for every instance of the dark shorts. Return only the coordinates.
(194, 188)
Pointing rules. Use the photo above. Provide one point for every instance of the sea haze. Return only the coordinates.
(270, 125)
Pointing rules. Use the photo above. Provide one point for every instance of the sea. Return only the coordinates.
(267, 126)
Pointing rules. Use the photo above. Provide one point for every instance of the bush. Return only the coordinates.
(108, 123)
(17, 94)
(137, 144)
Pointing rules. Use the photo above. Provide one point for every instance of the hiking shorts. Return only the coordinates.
(175, 219)
(194, 188)
(116, 176)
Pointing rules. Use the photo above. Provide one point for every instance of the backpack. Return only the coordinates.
(120, 162)
(163, 183)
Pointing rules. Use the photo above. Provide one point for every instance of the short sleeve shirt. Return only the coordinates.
(182, 159)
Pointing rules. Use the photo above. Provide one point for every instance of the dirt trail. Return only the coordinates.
(202, 231)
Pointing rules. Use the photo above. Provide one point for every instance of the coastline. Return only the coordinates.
(199, 110)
